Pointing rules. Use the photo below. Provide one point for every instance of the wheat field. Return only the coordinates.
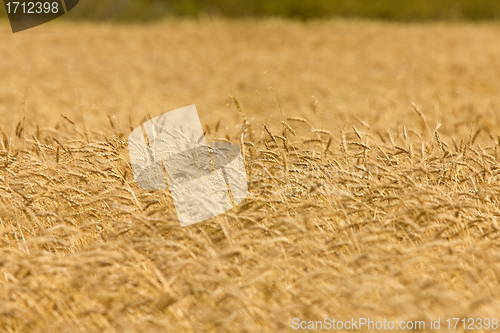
(371, 152)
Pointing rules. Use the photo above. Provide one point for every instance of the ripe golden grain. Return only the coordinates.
(378, 223)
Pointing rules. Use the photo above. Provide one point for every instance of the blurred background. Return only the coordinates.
(394, 10)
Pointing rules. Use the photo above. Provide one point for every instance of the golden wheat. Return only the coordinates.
(360, 210)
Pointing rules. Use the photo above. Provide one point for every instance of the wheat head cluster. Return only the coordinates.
(371, 152)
